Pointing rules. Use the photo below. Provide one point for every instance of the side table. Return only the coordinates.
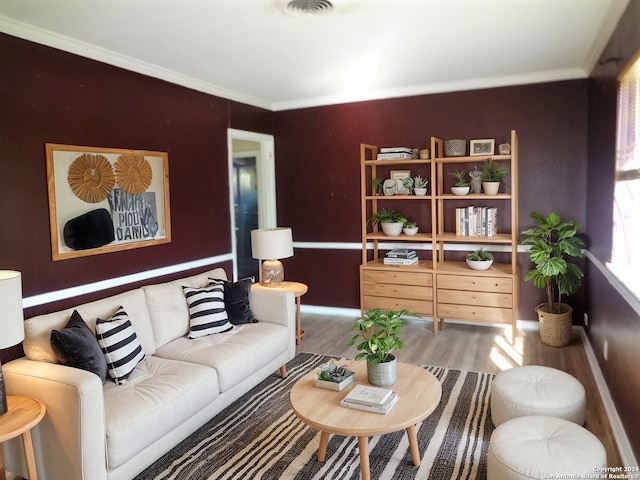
(23, 414)
(298, 290)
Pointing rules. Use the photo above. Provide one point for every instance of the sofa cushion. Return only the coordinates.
(120, 345)
(159, 395)
(168, 307)
(75, 345)
(37, 330)
(236, 354)
(207, 314)
(236, 299)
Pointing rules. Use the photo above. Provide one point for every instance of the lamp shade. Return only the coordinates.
(11, 317)
(272, 243)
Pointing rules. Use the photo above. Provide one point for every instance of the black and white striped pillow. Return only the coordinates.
(120, 345)
(207, 314)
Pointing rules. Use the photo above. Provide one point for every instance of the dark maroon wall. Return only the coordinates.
(47, 95)
(318, 173)
(610, 316)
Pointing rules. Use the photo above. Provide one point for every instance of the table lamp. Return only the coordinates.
(11, 320)
(270, 245)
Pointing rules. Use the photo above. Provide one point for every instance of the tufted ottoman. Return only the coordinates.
(540, 447)
(536, 390)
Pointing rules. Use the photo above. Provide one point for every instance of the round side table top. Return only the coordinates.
(297, 288)
(418, 390)
(23, 414)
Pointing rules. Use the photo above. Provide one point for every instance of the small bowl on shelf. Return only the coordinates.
(479, 260)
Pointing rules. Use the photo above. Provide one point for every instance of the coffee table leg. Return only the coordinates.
(322, 449)
(413, 445)
(363, 444)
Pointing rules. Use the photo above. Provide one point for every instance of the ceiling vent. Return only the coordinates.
(300, 8)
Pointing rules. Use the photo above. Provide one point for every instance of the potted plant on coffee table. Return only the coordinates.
(391, 221)
(492, 174)
(552, 242)
(378, 336)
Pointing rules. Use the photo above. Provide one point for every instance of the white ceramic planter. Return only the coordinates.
(460, 190)
(421, 192)
(392, 229)
(490, 188)
(410, 231)
(479, 264)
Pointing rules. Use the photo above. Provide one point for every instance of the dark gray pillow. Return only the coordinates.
(76, 346)
(236, 300)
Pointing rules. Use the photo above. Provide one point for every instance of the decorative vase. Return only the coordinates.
(460, 190)
(490, 188)
(392, 229)
(422, 191)
(555, 328)
(383, 374)
(410, 230)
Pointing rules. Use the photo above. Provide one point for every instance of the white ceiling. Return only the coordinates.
(250, 51)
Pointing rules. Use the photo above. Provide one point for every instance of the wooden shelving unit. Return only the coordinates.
(437, 286)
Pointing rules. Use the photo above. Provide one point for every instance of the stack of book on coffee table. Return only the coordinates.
(370, 399)
(401, 256)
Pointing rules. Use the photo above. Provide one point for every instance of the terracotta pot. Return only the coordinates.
(555, 328)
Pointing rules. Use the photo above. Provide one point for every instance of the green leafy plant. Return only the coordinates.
(387, 216)
(479, 256)
(459, 176)
(552, 242)
(407, 183)
(330, 372)
(376, 184)
(409, 224)
(378, 332)
(419, 182)
(492, 171)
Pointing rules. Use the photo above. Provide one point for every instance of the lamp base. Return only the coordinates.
(3, 394)
(272, 273)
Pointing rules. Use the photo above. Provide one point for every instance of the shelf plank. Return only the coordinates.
(474, 196)
(452, 237)
(461, 268)
(418, 237)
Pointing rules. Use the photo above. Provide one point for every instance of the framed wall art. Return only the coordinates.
(482, 147)
(105, 200)
(399, 176)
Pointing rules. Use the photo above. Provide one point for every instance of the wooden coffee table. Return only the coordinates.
(419, 395)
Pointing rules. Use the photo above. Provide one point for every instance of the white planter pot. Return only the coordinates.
(392, 229)
(490, 188)
(410, 231)
(460, 190)
(479, 264)
(421, 192)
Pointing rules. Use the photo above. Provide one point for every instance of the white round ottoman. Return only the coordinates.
(543, 447)
(536, 390)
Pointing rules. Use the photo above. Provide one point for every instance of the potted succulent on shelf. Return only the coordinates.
(410, 228)
(461, 187)
(420, 185)
(391, 221)
(479, 259)
(552, 242)
(378, 336)
(492, 174)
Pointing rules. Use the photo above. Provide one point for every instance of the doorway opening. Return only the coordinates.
(252, 195)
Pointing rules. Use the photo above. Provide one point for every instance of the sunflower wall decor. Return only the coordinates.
(91, 177)
(133, 173)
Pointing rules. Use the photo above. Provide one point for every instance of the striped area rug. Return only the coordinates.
(259, 437)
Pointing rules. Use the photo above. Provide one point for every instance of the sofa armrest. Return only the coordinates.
(275, 306)
(69, 442)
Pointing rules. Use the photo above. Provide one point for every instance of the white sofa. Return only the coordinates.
(95, 431)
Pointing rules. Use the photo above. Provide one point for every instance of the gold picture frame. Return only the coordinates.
(104, 200)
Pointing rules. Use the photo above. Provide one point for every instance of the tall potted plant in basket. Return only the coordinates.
(552, 242)
(377, 335)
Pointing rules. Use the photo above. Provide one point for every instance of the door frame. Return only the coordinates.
(266, 183)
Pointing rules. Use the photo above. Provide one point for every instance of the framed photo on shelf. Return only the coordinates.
(482, 147)
(399, 176)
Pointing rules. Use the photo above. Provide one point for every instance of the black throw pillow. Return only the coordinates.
(236, 300)
(76, 346)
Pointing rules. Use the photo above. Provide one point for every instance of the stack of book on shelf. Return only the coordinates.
(370, 399)
(395, 153)
(476, 221)
(400, 256)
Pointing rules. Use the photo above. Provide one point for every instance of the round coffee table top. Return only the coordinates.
(418, 392)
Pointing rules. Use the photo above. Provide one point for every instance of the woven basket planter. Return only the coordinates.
(555, 328)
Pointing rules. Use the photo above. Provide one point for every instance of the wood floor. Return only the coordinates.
(476, 348)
